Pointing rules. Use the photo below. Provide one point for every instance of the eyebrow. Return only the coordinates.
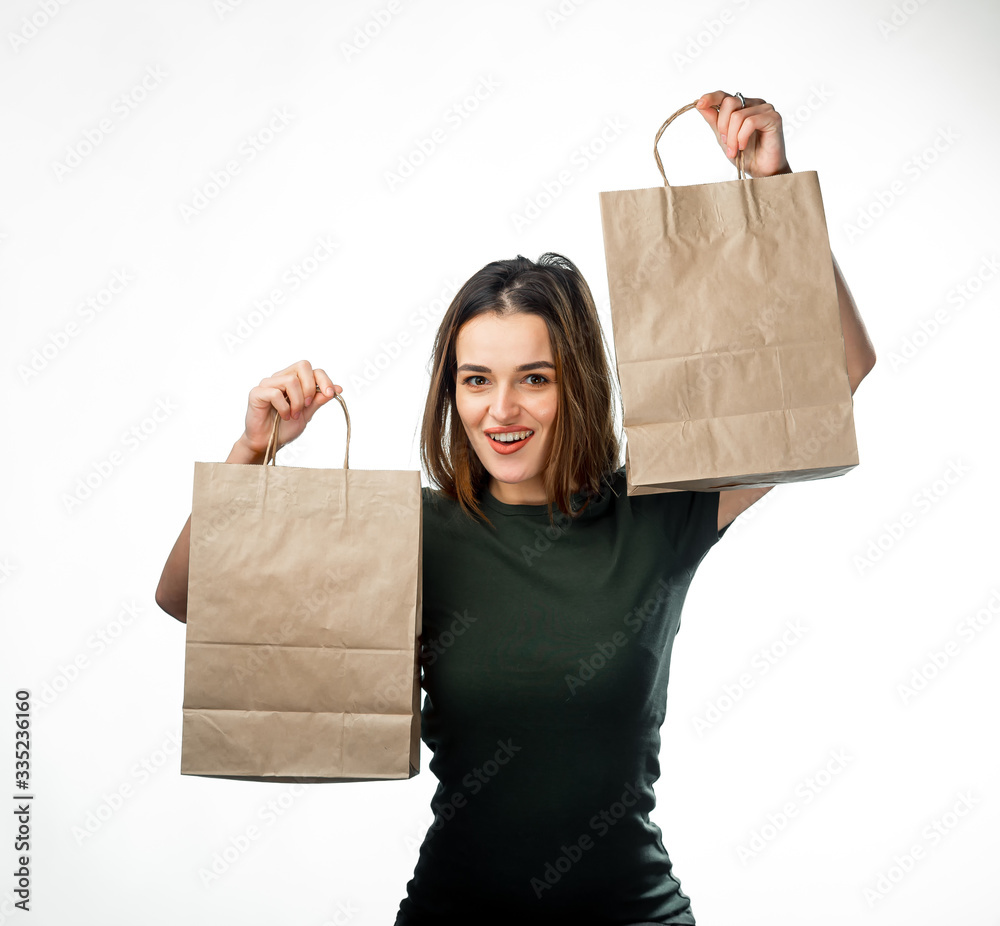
(474, 368)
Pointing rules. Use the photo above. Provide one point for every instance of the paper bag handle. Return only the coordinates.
(272, 444)
(740, 172)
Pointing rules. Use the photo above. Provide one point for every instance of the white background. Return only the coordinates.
(864, 106)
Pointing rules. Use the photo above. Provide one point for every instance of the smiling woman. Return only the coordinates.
(568, 619)
(520, 349)
(546, 639)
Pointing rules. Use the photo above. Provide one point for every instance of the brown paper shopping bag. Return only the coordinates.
(727, 332)
(304, 607)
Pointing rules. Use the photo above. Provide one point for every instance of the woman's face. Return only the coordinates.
(505, 383)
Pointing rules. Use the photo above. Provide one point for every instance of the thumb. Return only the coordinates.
(709, 113)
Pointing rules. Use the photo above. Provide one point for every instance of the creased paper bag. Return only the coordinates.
(727, 332)
(304, 607)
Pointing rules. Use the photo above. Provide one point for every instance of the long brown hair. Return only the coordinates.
(585, 446)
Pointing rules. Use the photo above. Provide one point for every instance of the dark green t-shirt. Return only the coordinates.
(545, 657)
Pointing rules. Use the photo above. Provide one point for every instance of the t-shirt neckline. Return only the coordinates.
(488, 500)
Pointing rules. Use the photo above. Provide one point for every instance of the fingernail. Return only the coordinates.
(329, 390)
(723, 137)
(309, 399)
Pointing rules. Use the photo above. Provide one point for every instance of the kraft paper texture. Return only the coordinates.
(727, 331)
(304, 607)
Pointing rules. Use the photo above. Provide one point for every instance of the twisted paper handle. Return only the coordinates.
(740, 172)
(272, 444)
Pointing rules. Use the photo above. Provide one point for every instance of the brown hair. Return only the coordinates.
(585, 446)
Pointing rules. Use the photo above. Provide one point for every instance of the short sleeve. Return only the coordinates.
(692, 523)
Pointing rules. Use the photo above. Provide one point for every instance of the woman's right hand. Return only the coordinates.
(294, 393)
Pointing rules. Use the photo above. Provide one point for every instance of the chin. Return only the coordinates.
(510, 475)
(510, 470)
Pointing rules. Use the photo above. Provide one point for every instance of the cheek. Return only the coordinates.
(547, 412)
(466, 410)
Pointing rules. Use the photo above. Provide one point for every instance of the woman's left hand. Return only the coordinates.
(756, 129)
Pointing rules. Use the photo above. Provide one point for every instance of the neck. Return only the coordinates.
(530, 492)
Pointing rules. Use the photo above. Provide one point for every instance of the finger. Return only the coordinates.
(307, 381)
(325, 385)
(718, 109)
(739, 117)
(293, 368)
(729, 122)
(267, 396)
(304, 372)
(292, 384)
(709, 113)
(285, 393)
(712, 99)
(756, 119)
(302, 369)
(324, 393)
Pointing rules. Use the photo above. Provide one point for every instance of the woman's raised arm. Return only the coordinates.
(296, 393)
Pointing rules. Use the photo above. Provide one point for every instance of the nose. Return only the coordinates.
(505, 405)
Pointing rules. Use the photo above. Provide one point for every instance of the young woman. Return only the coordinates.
(551, 598)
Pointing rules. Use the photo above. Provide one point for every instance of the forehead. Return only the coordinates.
(504, 337)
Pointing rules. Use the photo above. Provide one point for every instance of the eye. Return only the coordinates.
(544, 379)
(468, 379)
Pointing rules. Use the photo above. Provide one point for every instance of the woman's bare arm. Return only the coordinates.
(172, 590)
(295, 393)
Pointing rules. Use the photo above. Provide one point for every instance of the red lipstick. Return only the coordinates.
(506, 447)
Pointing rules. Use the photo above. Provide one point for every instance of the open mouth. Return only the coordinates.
(513, 440)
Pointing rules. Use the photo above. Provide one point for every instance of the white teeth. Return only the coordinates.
(512, 436)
